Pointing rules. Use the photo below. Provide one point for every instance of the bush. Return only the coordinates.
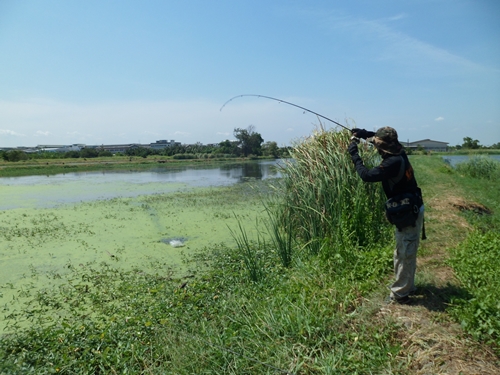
(72, 154)
(184, 156)
(88, 153)
(105, 153)
(480, 167)
(15, 155)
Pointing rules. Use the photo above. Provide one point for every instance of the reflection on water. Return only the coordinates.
(200, 176)
(244, 171)
(49, 191)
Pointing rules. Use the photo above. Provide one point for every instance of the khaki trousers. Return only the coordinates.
(405, 258)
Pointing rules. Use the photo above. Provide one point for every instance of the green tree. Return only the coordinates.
(138, 151)
(249, 141)
(104, 153)
(72, 154)
(270, 149)
(15, 155)
(88, 153)
(227, 147)
(471, 143)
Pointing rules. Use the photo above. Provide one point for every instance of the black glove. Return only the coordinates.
(353, 148)
(362, 133)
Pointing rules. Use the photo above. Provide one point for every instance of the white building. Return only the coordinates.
(427, 145)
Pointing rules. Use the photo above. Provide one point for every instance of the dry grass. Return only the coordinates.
(437, 347)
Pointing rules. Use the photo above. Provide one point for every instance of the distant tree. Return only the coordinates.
(270, 149)
(138, 151)
(89, 153)
(227, 147)
(173, 150)
(284, 152)
(104, 153)
(249, 141)
(72, 154)
(15, 155)
(471, 143)
(495, 146)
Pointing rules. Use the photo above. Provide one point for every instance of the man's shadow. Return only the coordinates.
(438, 298)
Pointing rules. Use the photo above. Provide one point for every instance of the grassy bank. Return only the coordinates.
(314, 309)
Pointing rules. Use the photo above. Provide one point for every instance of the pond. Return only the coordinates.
(52, 226)
(453, 160)
(51, 191)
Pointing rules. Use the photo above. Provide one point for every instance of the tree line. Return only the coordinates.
(473, 144)
(248, 143)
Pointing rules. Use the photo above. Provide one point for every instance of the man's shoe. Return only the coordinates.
(401, 300)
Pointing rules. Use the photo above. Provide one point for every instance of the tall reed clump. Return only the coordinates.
(250, 252)
(280, 229)
(326, 200)
(480, 167)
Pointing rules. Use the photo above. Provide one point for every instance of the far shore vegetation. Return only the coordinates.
(249, 145)
(299, 292)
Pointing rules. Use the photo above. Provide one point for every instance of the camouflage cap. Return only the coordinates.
(386, 139)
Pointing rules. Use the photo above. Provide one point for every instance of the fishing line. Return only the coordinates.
(283, 101)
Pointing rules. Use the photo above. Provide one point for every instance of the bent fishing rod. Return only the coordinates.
(283, 101)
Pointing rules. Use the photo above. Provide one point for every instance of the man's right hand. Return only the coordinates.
(362, 133)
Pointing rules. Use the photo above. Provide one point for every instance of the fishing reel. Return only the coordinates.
(355, 139)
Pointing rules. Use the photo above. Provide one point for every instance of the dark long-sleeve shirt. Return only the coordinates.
(395, 178)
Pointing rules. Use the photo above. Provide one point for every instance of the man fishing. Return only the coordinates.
(404, 207)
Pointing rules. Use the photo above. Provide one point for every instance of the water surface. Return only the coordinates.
(54, 190)
(60, 223)
(453, 160)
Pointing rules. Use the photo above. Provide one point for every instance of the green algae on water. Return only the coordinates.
(39, 247)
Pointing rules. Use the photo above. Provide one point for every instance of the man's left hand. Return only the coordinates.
(353, 148)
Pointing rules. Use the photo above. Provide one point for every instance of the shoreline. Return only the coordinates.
(57, 166)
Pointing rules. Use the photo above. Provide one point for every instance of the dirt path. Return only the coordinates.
(432, 343)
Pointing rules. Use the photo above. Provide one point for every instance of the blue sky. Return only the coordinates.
(103, 71)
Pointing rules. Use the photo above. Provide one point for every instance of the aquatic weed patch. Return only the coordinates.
(105, 319)
(39, 246)
(294, 320)
(43, 227)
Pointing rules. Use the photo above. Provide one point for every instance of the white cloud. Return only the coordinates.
(10, 132)
(42, 133)
(440, 118)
